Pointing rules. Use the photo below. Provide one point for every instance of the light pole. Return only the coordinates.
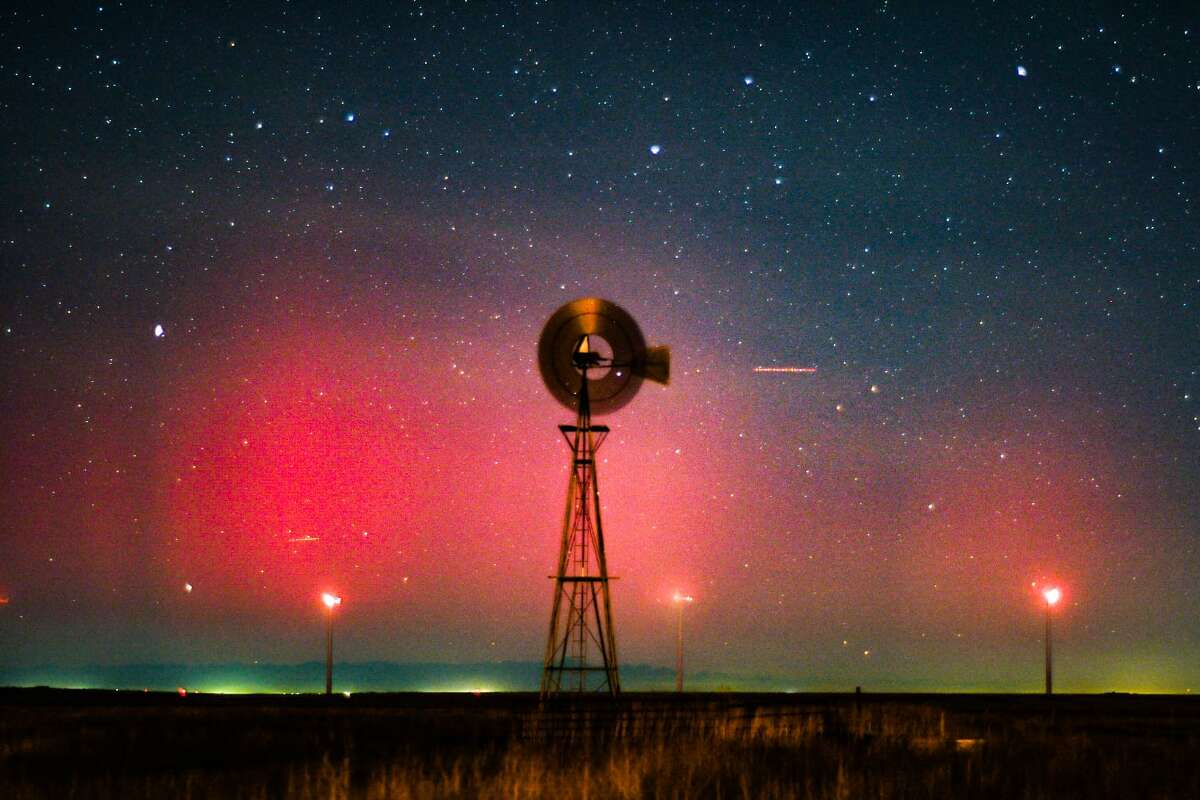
(1052, 595)
(681, 600)
(330, 600)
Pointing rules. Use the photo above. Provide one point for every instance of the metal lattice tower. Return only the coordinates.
(581, 650)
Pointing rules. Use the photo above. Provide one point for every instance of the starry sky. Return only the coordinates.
(271, 282)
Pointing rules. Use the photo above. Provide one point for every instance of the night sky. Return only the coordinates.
(978, 222)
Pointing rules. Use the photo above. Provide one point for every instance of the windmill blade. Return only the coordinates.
(609, 388)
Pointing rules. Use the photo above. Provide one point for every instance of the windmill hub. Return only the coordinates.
(587, 353)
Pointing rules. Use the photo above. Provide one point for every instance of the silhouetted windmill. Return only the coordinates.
(593, 359)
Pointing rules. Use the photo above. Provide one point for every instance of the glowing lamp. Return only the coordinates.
(330, 600)
(681, 600)
(1052, 594)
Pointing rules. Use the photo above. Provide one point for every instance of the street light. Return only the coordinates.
(330, 600)
(680, 600)
(1052, 595)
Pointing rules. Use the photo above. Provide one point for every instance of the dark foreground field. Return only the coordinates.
(134, 745)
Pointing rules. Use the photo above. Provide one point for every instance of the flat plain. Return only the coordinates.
(129, 744)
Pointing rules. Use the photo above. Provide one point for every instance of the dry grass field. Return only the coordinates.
(96, 744)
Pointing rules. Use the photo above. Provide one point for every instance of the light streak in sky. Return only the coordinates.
(789, 370)
(309, 538)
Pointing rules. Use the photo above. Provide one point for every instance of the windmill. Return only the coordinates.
(593, 360)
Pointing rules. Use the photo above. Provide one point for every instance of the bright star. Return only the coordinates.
(655, 149)
(1021, 71)
(159, 332)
